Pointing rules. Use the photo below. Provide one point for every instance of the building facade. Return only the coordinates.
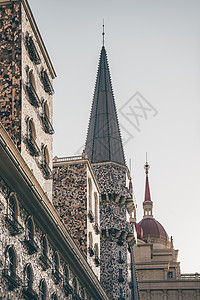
(158, 269)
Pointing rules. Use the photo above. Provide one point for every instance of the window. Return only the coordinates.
(46, 82)
(45, 118)
(121, 279)
(29, 236)
(67, 287)
(12, 215)
(31, 89)
(96, 252)
(28, 276)
(91, 250)
(10, 261)
(121, 261)
(42, 290)
(9, 272)
(44, 260)
(29, 229)
(170, 274)
(32, 51)
(45, 163)
(31, 138)
(56, 267)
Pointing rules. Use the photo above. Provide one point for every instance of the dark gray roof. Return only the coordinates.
(104, 141)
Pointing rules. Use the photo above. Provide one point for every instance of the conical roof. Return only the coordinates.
(103, 141)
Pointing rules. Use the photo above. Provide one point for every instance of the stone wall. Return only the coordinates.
(115, 227)
(10, 70)
(70, 200)
(23, 256)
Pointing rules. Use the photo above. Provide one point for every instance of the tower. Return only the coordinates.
(105, 151)
(26, 89)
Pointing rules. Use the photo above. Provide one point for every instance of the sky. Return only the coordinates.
(153, 50)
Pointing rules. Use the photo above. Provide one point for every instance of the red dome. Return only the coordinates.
(152, 228)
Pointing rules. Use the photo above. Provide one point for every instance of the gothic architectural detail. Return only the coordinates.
(159, 274)
(105, 150)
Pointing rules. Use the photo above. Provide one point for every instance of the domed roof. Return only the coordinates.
(152, 228)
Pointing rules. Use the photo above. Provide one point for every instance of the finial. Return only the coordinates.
(146, 166)
(103, 33)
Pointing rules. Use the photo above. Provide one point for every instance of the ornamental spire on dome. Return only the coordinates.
(147, 204)
(147, 196)
(104, 141)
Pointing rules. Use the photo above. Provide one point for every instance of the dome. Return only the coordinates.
(152, 228)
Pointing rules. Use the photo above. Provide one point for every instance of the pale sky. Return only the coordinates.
(153, 48)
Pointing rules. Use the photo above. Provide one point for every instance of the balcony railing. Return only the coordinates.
(48, 128)
(97, 228)
(32, 51)
(91, 216)
(32, 95)
(31, 244)
(57, 275)
(97, 261)
(67, 288)
(32, 145)
(46, 170)
(13, 280)
(46, 83)
(45, 262)
(29, 293)
(13, 225)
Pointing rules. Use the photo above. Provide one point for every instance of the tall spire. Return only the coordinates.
(147, 204)
(103, 141)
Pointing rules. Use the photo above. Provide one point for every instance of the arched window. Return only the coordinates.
(42, 290)
(45, 117)
(56, 267)
(44, 244)
(29, 236)
(45, 163)
(12, 215)
(31, 137)
(31, 88)
(44, 260)
(10, 261)
(31, 79)
(28, 276)
(56, 261)
(30, 229)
